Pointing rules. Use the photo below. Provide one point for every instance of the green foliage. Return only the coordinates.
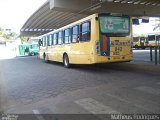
(1, 31)
(8, 35)
(156, 27)
(24, 39)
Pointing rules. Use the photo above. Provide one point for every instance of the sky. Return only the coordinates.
(14, 13)
(145, 28)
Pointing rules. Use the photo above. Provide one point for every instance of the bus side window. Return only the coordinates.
(75, 34)
(158, 38)
(55, 38)
(50, 39)
(151, 38)
(44, 41)
(60, 37)
(67, 36)
(85, 31)
(47, 42)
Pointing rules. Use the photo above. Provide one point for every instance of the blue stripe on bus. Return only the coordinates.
(108, 46)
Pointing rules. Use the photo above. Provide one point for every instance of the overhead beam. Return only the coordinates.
(70, 5)
(58, 13)
(128, 7)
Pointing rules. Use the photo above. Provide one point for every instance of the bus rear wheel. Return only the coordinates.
(66, 61)
(31, 54)
(45, 58)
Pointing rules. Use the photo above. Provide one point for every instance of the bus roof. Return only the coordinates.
(72, 24)
(154, 33)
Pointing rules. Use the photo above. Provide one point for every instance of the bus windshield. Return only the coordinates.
(151, 37)
(34, 46)
(114, 25)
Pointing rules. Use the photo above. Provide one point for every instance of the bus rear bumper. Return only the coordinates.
(105, 59)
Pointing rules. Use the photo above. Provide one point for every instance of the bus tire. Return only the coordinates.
(143, 48)
(45, 58)
(136, 47)
(66, 61)
(31, 54)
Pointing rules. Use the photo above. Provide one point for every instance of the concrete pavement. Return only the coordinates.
(32, 86)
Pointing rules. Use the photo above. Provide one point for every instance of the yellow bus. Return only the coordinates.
(140, 42)
(153, 39)
(98, 38)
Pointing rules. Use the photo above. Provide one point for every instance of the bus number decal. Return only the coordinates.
(117, 51)
(117, 43)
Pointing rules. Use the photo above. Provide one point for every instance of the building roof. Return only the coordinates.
(57, 13)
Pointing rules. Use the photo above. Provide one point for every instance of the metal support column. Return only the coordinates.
(156, 55)
(151, 56)
(159, 49)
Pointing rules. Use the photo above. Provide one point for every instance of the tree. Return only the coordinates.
(157, 24)
(156, 27)
(8, 35)
(1, 31)
(24, 39)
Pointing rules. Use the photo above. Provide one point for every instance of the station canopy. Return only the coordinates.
(57, 13)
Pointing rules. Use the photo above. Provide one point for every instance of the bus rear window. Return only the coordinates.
(114, 25)
(151, 37)
(135, 39)
(55, 38)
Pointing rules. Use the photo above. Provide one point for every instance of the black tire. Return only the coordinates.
(32, 54)
(136, 47)
(143, 48)
(45, 58)
(66, 61)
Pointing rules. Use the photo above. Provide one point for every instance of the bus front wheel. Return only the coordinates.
(66, 61)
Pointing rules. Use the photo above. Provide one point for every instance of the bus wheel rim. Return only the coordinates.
(65, 61)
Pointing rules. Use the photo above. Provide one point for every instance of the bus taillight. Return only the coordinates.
(97, 48)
